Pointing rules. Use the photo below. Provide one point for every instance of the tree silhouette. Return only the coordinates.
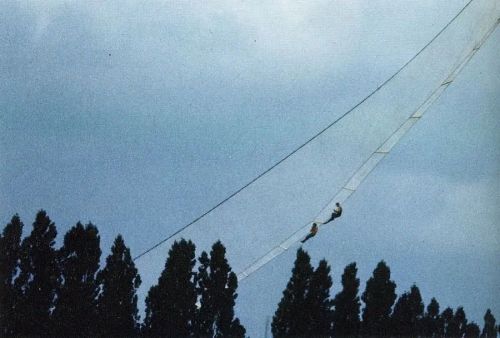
(117, 303)
(408, 313)
(318, 302)
(489, 329)
(10, 247)
(430, 323)
(216, 286)
(401, 316)
(171, 304)
(75, 308)
(447, 322)
(205, 311)
(291, 318)
(37, 279)
(346, 321)
(379, 296)
(460, 321)
(456, 324)
(44, 291)
(472, 331)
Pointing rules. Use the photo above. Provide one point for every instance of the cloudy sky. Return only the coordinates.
(139, 117)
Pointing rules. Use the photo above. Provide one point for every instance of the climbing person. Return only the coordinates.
(337, 212)
(312, 232)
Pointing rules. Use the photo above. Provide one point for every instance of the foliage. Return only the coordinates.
(346, 322)
(431, 322)
(305, 308)
(171, 304)
(489, 329)
(117, 303)
(408, 314)
(290, 318)
(38, 278)
(45, 291)
(379, 297)
(318, 302)
(75, 307)
(216, 287)
(10, 251)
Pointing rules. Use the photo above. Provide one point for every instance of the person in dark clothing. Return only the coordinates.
(312, 232)
(337, 212)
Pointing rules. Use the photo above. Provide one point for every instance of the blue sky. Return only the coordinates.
(140, 117)
(429, 209)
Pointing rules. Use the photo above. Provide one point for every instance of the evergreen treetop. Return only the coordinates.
(447, 322)
(431, 320)
(38, 278)
(408, 314)
(117, 302)
(472, 331)
(10, 246)
(489, 329)
(216, 286)
(170, 305)
(10, 251)
(379, 297)
(290, 318)
(75, 307)
(346, 320)
(318, 302)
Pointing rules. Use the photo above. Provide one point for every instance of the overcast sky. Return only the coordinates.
(139, 117)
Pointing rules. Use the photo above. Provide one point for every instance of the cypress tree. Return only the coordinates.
(460, 321)
(319, 305)
(447, 322)
(10, 247)
(205, 311)
(472, 331)
(75, 309)
(216, 285)
(291, 318)
(38, 278)
(171, 304)
(489, 330)
(346, 321)
(408, 313)
(379, 297)
(457, 324)
(401, 317)
(417, 310)
(117, 303)
(430, 325)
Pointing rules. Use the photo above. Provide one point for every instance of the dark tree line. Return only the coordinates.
(307, 310)
(49, 291)
(202, 302)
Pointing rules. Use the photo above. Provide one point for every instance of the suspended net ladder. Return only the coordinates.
(486, 19)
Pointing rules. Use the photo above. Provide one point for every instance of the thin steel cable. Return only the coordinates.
(243, 274)
(307, 141)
